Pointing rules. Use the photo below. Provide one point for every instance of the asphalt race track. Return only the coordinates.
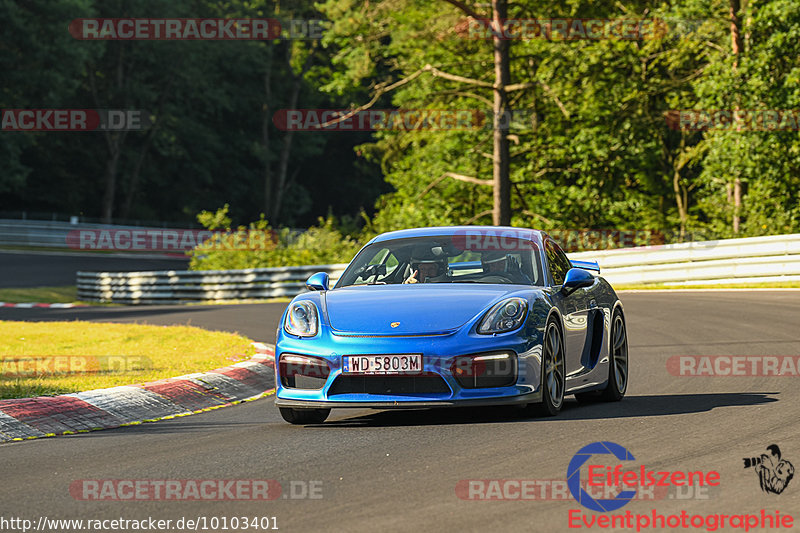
(49, 269)
(398, 471)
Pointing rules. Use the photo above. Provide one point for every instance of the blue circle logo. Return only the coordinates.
(574, 477)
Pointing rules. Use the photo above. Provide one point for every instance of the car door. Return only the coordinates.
(574, 308)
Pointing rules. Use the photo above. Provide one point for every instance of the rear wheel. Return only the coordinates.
(617, 365)
(553, 371)
(304, 416)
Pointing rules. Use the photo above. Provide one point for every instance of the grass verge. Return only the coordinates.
(66, 295)
(44, 358)
(53, 295)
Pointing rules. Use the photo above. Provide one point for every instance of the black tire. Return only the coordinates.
(304, 416)
(617, 365)
(553, 371)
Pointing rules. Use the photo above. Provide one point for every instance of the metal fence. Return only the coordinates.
(49, 233)
(172, 286)
(748, 260)
(756, 259)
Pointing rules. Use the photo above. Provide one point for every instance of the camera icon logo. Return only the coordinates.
(774, 472)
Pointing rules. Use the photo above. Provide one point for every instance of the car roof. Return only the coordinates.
(439, 231)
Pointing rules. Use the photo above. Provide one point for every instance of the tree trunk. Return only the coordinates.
(286, 150)
(266, 120)
(679, 189)
(112, 163)
(736, 48)
(501, 209)
(114, 141)
(134, 180)
(736, 33)
(680, 197)
(737, 203)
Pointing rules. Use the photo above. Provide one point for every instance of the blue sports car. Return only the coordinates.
(452, 316)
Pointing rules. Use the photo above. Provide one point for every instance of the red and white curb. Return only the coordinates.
(52, 306)
(66, 414)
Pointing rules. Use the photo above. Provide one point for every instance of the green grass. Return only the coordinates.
(765, 285)
(70, 295)
(53, 295)
(43, 358)
(22, 248)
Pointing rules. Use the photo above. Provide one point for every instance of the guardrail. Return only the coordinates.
(174, 286)
(50, 233)
(748, 260)
(755, 259)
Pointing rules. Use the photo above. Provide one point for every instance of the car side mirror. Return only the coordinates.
(575, 279)
(318, 282)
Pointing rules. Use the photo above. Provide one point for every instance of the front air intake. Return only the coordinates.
(487, 370)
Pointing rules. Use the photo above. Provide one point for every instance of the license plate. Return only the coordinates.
(382, 364)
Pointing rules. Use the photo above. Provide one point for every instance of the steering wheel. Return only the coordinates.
(498, 277)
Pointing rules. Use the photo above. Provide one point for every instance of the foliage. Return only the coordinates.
(320, 245)
(206, 99)
(593, 145)
(597, 150)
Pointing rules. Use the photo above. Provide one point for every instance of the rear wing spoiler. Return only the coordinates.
(586, 265)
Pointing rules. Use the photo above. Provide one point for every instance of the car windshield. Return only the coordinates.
(444, 259)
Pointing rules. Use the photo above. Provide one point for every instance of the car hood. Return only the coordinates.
(419, 308)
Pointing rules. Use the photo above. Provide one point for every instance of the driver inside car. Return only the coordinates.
(427, 268)
(501, 263)
(494, 262)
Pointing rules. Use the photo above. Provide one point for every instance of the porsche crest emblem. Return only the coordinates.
(394, 324)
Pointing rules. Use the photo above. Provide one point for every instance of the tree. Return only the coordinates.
(501, 110)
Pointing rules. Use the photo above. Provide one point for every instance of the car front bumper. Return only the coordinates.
(438, 353)
(523, 399)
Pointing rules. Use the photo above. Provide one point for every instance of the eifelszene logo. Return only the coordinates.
(774, 473)
(611, 479)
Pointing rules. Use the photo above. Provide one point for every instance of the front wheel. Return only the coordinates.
(553, 371)
(304, 416)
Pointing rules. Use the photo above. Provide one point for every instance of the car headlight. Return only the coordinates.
(302, 319)
(504, 316)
